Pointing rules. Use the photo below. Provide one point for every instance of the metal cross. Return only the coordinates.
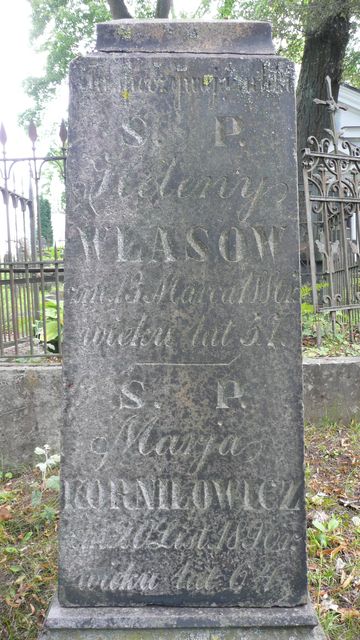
(332, 106)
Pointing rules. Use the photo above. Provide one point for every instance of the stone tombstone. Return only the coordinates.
(182, 474)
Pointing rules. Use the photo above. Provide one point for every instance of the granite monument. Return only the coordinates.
(182, 474)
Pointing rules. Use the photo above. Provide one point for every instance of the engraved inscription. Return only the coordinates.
(182, 479)
(145, 436)
(219, 338)
(237, 537)
(197, 244)
(128, 577)
(163, 494)
(270, 78)
(227, 391)
(130, 395)
(227, 131)
(134, 132)
(250, 288)
(173, 181)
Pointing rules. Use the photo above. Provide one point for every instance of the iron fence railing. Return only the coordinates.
(31, 309)
(331, 173)
(31, 274)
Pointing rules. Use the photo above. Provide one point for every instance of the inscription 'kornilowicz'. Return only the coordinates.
(163, 494)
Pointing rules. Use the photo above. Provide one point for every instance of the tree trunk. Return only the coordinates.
(323, 56)
(163, 8)
(119, 10)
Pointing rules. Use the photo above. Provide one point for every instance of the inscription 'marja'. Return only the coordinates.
(163, 494)
(147, 437)
(231, 245)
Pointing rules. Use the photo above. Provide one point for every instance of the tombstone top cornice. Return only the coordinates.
(182, 36)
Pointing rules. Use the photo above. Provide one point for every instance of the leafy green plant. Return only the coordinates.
(5, 476)
(52, 253)
(318, 327)
(322, 535)
(45, 465)
(312, 321)
(51, 482)
(54, 316)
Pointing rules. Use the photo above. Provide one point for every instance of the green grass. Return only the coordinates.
(28, 539)
(28, 557)
(333, 502)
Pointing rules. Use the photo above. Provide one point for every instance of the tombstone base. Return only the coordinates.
(162, 623)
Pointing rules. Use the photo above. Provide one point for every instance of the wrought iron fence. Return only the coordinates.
(331, 172)
(31, 312)
(31, 274)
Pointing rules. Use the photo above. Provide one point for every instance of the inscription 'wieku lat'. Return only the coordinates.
(182, 478)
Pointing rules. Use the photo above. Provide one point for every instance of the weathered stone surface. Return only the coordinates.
(216, 36)
(150, 623)
(179, 617)
(183, 446)
(186, 623)
(331, 391)
(241, 633)
(30, 412)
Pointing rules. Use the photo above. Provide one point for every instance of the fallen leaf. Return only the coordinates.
(340, 564)
(348, 581)
(333, 552)
(349, 613)
(5, 514)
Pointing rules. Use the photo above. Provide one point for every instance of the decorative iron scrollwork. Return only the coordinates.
(331, 171)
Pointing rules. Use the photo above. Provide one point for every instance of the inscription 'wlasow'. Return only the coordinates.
(232, 245)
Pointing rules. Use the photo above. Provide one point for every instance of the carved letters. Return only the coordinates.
(250, 288)
(181, 461)
(173, 181)
(162, 494)
(227, 131)
(269, 79)
(227, 391)
(145, 436)
(230, 246)
(234, 536)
